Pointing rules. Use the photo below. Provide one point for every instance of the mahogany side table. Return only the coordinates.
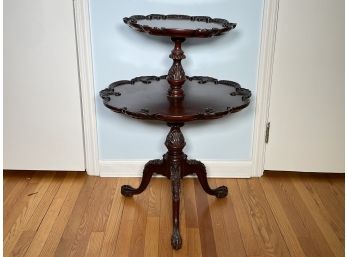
(175, 99)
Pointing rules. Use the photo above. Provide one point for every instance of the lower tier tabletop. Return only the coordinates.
(146, 98)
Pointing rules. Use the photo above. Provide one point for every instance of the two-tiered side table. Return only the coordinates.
(175, 99)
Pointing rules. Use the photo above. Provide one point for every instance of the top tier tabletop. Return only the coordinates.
(179, 25)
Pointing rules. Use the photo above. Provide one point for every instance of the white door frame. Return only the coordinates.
(84, 54)
(83, 36)
(264, 81)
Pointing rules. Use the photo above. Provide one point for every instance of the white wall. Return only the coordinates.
(121, 53)
(42, 112)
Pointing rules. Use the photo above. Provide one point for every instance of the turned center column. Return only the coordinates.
(176, 74)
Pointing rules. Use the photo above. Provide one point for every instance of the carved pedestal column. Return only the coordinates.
(176, 74)
(175, 158)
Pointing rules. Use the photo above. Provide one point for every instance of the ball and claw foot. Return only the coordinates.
(221, 192)
(127, 191)
(176, 240)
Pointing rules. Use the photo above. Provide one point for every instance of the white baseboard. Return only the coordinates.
(215, 169)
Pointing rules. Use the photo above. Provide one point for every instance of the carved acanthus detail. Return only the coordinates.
(177, 54)
(176, 73)
(175, 178)
(175, 138)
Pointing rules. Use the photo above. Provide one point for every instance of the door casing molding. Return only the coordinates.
(116, 168)
(84, 53)
(264, 82)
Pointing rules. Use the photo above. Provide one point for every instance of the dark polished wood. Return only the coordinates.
(176, 74)
(182, 26)
(175, 166)
(146, 98)
(176, 98)
(198, 168)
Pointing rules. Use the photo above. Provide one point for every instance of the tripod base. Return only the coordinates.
(175, 166)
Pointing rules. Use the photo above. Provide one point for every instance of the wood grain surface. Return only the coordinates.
(72, 214)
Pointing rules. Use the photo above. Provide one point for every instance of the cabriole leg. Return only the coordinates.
(193, 166)
(153, 166)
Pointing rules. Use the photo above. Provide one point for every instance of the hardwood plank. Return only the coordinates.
(61, 221)
(37, 218)
(41, 210)
(71, 229)
(290, 236)
(114, 220)
(151, 237)
(142, 210)
(230, 228)
(316, 210)
(264, 225)
(93, 217)
(328, 191)
(103, 212)
(47, 223)
(311, 239)
(194, 243)
(310, 248)
(204, 222)
(331, 204)
(14, 190)
(337, 182)
(24, 201)
(22, 220)
(11, 178)
(280, 214)
(123, 243)
(190, 203)
(219, 226)
(154, 197)
(165, 229)
(248, 236)
(94, 244)
(22, 244)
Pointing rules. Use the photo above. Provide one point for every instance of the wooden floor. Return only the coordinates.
(71, 214)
